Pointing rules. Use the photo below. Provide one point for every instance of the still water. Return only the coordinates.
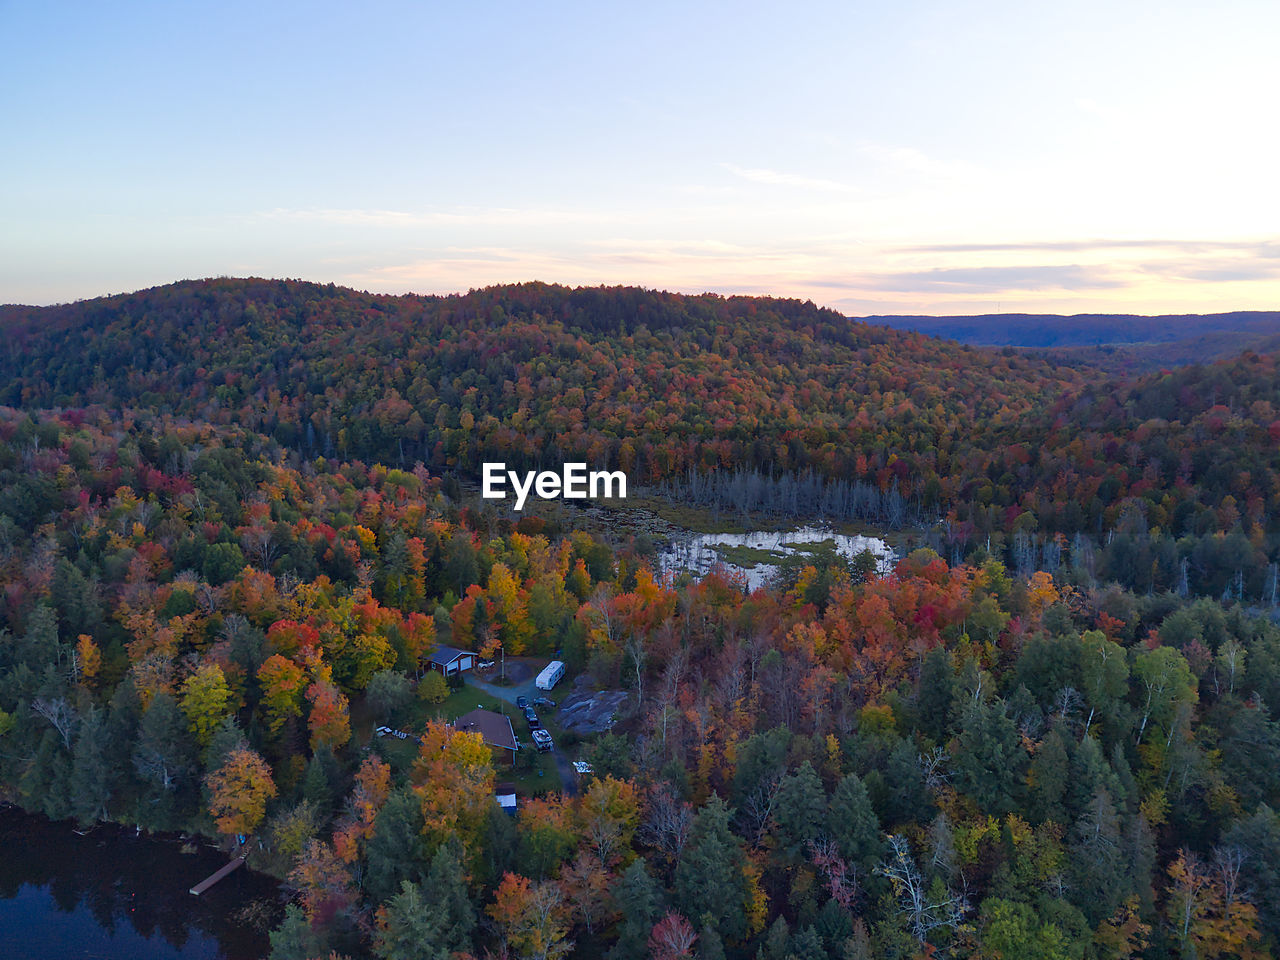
(113, 896)
(697, 553)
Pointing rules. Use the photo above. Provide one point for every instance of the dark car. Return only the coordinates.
(522, 703)
(534, 722)
(544, 702)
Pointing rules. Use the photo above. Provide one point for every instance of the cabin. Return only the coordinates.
(550, 675)
(493, 727)
(450, 660)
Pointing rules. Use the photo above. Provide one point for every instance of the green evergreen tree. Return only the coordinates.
(807, 945)
(777, 942)
(800, 809)
(1049, 777)
(416, 926)
(937, 691)
(990, 761)
(164, 761)
(853, 825)
(709, 877)
(1089, 773)
(637, 898)
(396, 853)
(710, 946)
(295, 938)
(92, 774)
(1098, 860)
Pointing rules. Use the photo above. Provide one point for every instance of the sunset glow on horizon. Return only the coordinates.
(930, 158)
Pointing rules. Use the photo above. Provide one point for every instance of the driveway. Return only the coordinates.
(568, 776)
(508, 693)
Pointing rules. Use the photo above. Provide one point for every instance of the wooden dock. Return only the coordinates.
(208, 882)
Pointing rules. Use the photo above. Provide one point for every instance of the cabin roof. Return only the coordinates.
(494, 727)
(446, 655)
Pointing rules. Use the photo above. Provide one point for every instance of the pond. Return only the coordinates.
(111, 895)
(757, 554)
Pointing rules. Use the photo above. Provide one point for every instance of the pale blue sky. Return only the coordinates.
(904, 157)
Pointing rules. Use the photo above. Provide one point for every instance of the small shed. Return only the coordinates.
(505, 794)
(451, 660)
(494, 727)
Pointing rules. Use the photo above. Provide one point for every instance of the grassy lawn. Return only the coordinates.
(532, 783)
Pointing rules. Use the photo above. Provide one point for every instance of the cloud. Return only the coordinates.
(1221, 270)
(1258, 248)
(462, 217)
(996, 279)
(779, 178)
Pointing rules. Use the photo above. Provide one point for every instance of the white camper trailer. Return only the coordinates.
(550, 675)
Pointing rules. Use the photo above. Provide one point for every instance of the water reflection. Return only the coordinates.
(697, 552)
(112, 895)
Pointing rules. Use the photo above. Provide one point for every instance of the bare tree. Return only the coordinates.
(757, 809)
(60, 714)
(667, 823)
(923, 914)
(1067, 702)
(637, 655)
(672, 938)
(842, 878)
(1231, 662)
(260, 547)
(933, 769)
(1227, 861)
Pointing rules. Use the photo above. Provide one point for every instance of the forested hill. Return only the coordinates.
(1117, 343)
(656, 383)
(1083, 329)
(1009, 449)
(222, 568)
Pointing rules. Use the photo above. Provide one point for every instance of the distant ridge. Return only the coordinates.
(1120, 342)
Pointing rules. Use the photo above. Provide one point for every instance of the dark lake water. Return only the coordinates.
(113, 896)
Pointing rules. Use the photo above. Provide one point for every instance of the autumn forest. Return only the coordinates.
(237, 517)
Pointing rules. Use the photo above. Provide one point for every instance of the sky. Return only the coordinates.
(905, 157)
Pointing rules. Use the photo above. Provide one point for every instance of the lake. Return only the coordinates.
(698, 552)
(111, 895)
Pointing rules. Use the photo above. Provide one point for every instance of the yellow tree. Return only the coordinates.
(239, 791)
(373, 784)
(205, 701)
(88, 658)
(531, 917)
(453, 779)
(609, 812)
(1041, 594)
(330, 722)
(507, 604)
(283, 682)
(1207, 912)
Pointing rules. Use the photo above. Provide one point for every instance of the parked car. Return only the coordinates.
(542, 740)
(534, 722)
(486, 665)
(544, 702)
(522, 703)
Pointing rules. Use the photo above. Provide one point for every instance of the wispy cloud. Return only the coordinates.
(477, 216)
(782, 179)
(990, 279)
(1257, 248)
